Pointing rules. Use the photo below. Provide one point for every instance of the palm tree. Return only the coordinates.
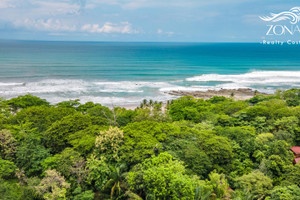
(116, 177)
(201, 193)
(117, 184)
(145, 102)
(150, 102)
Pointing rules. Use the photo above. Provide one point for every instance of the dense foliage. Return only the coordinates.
(188, 149)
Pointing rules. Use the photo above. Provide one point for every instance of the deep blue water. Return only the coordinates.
(126, 73)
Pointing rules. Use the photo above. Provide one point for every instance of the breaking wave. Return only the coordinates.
(105, 92)
(133, 92)
(262, 78)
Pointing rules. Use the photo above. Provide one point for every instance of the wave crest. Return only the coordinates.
(132, 92)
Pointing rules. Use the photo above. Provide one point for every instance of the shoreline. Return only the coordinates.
(236, 94)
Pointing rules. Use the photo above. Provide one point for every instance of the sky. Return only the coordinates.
(138, 20)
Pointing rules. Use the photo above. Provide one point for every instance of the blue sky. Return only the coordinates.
(138, 20)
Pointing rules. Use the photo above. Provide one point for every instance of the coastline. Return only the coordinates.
(236, 94)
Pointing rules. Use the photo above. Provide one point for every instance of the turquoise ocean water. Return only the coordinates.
(126, 73)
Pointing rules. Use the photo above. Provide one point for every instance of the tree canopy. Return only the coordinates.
(214, 149)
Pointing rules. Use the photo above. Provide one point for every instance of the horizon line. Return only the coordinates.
(95, 41)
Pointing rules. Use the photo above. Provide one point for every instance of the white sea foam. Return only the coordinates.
(110, 100)
(105, 92)
(120, 91)
(257, 77)
(265, 81)
(10, 84)
(187, 89)
(131, 84)
(115, 101)
(202, 88)
(133, 92)
(75, 86)
(45, 86)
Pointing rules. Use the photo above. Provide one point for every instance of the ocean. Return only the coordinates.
(119, 73)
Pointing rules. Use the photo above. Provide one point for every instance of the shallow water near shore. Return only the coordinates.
(127, 73)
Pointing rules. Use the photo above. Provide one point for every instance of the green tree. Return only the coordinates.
(4, 109)
(264, 139)
(188, 151)
(78, 194)
(292, 97)
(142, 139)
(69, 104)
(291, 192)
(286, 136)
(218, 184)
(83, 141)
(7, 168)
(218, 148)
(102, 115)
(244, 136)
(29, 156)
(84, 107)
(275, 168)
(259, 98)
(53, 186)
(150, 114)
(280, 148)
(98, 172)
(62, 162)
(197, 161)
(7, 145)
(40, 117)
(108, 143)
(162, 177)
(10, 191)
(116, 181)
(255, 183)
(123, 116)
(226, 120)
(58, 134)
(289, 124)
(292, 175)
(26, 101)
(184, 108)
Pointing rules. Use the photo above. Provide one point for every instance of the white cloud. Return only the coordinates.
(38, 12)
(56, 8)
(41, 8)
(45, 25)
(108, 27)
(57, 26)
(161, 32)
(7, 4)
(58, 16)
(136, 4)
